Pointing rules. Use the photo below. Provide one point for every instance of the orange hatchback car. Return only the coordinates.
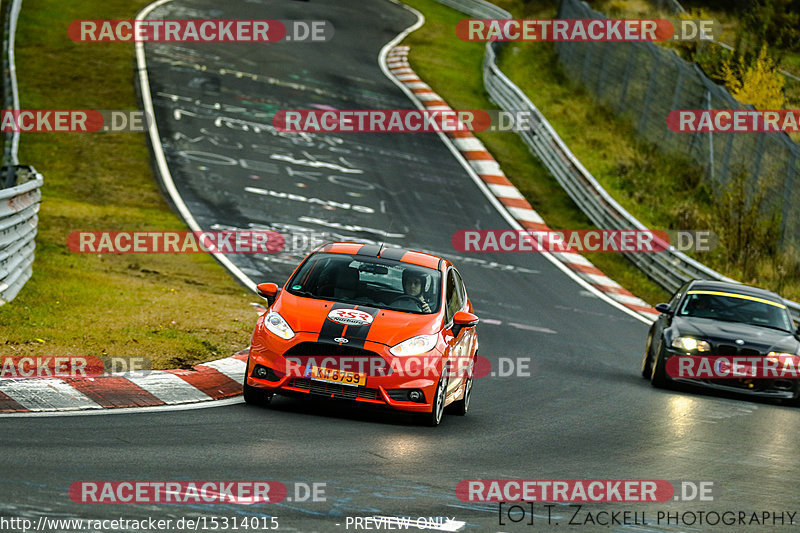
(371, 324)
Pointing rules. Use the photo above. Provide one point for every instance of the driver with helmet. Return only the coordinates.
(414, 283)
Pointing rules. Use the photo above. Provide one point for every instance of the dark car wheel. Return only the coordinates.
(460, 407)
(647, 359)
(256, 396)
(437, 408)
(658, 376)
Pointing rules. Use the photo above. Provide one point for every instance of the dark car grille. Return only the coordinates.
(730, 349)
(344, 392)
(324, 349)
(338, 356)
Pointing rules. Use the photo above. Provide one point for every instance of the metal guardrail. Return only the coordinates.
(669, 269)
(9, 84)
(20, 186)
(19, 206)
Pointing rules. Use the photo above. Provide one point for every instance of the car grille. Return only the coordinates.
(339, 356)
(730, 349)
(344, 392)
(323, 349)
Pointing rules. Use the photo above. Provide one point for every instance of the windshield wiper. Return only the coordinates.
(771, 327)
(307, 294)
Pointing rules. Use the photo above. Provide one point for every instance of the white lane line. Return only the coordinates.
(527, 327)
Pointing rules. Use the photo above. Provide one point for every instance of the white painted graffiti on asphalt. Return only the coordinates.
(305, 199)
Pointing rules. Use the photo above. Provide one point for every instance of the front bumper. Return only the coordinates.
(286, 377)
(782, 389)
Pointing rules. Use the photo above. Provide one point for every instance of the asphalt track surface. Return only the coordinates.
(583, 413)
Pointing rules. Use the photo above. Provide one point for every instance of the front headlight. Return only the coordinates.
(781, 354)
(783, 357)
(277, 325)
(690, 344)
(414, 346)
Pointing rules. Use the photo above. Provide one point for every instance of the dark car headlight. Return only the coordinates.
(690, 344)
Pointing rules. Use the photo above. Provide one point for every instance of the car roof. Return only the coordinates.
(736, 288)
(383, 251)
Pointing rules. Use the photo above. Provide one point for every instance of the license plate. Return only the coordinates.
(337, 376)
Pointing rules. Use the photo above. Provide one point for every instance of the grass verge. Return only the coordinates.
(177, 310)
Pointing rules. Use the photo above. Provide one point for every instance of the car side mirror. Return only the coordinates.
(665, 309)
(463, 319)
(268, 291)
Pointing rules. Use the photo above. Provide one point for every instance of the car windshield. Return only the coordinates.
(732, 307)
(368, 281)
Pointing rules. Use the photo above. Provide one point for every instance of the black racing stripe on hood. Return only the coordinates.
(395, 254)
(331, 330)
(357, 335)
(371, 250)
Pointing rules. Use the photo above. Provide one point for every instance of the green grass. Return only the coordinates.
(178, 309)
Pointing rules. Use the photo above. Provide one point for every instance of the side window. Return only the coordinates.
(677, 298)
(452, 296)
(462, 293)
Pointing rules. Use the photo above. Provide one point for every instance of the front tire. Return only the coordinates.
(434, 418)
(647, 359)
(658, 376)
(460, 407)
(254, 395)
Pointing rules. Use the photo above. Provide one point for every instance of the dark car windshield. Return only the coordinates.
(733, 307)
(368, 281)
